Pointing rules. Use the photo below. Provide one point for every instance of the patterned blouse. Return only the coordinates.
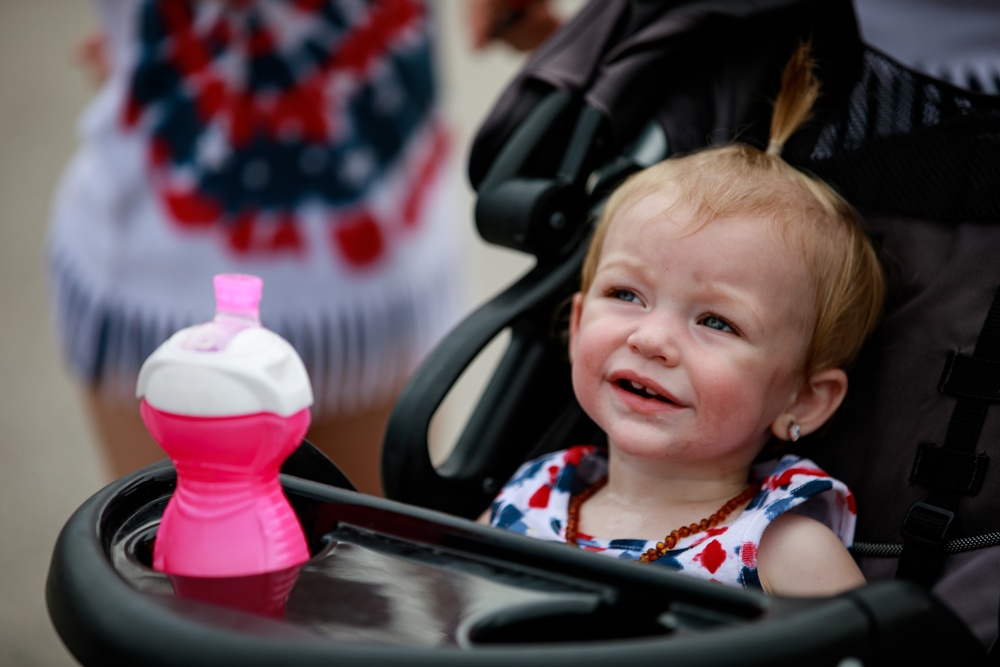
(534, 503)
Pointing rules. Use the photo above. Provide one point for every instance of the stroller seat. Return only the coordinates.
(626, 84)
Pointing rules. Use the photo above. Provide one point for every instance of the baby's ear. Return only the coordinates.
(815, 403)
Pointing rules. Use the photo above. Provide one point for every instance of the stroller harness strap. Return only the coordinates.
(953, 470)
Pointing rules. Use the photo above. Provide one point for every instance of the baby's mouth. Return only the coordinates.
(641, 390)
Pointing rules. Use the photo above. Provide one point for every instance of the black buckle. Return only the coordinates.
(970, 376)
(927, 524)
(948, 469)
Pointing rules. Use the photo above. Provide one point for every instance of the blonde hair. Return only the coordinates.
(740, 180)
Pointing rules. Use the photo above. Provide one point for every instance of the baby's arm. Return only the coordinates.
(800, 556)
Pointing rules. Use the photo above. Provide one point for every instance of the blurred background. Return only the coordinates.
(49, 464)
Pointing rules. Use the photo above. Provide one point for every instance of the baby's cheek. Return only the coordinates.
(580, 375)
(588, 380)
(731, 404)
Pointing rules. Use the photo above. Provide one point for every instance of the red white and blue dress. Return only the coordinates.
(299, 140)
(534, 503)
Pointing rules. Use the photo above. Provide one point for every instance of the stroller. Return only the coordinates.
(410, 580)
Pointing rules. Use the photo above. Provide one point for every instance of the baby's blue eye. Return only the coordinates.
(623, 295)
(713, 322)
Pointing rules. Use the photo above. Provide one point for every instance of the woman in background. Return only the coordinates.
(297, 140)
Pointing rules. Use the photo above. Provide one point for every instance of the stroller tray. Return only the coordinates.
(389, 583)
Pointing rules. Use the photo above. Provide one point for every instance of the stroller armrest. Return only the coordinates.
(513, 413)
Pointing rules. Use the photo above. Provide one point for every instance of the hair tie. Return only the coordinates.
(775, 147)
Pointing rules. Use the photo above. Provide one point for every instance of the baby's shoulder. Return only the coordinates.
(799, 555)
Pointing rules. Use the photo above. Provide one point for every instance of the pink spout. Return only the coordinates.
(238, 295)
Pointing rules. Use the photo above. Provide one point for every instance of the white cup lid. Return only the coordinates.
(227, 367)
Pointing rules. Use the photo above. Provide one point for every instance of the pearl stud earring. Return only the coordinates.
(794, 431)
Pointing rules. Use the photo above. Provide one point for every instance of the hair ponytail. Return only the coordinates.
(799, 91)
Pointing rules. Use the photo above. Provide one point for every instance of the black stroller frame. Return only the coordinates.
(569, 128)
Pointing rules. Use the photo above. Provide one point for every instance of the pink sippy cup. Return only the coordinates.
(228, 401)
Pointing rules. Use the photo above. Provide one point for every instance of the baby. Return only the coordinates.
(723, 296)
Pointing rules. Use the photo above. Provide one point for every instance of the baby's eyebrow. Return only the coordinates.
(622, 262)
(730, 299)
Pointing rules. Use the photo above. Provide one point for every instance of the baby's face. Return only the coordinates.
(687, 346)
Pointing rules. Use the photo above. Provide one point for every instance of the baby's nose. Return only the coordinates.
(657, 339)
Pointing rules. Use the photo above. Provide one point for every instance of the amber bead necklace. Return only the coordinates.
(670, 541)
